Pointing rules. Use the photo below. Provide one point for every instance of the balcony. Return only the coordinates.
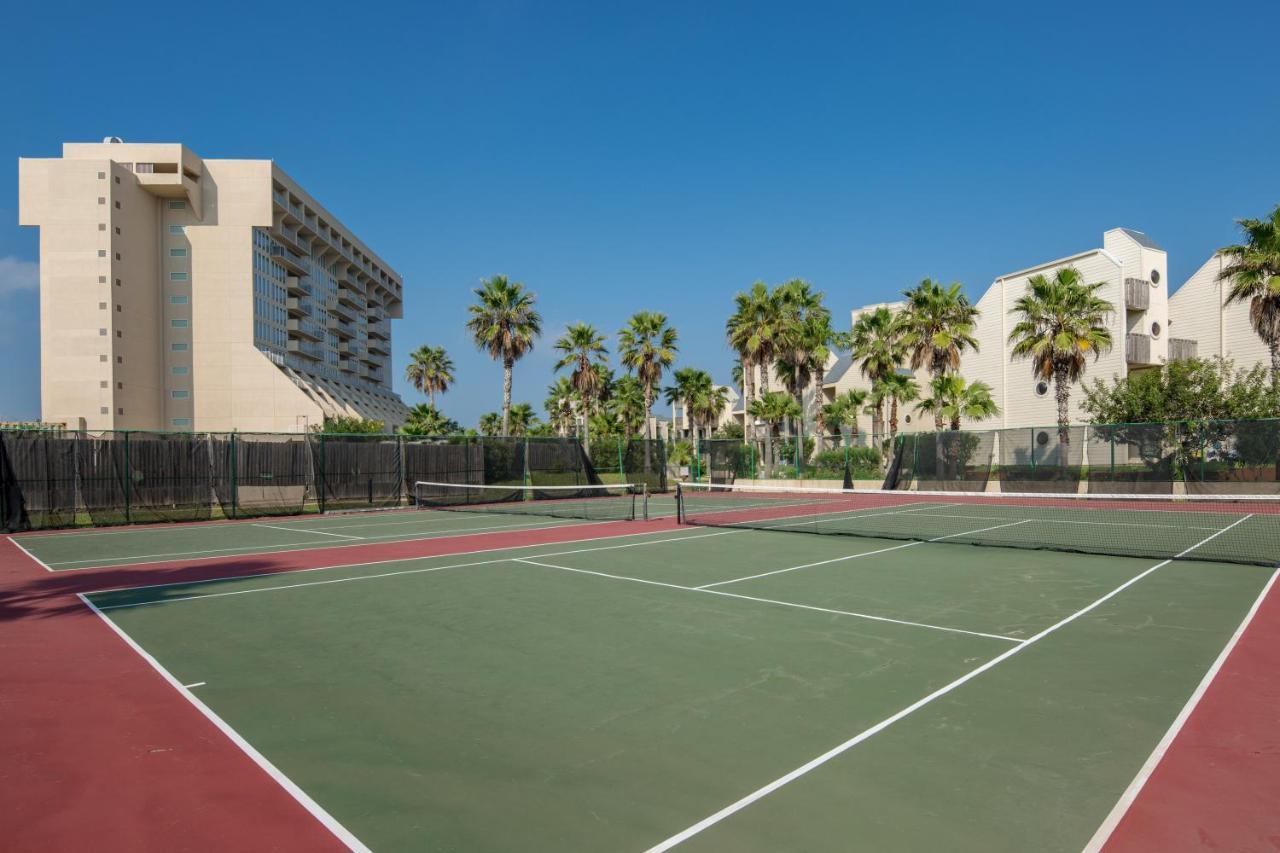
(296, 307)
(342, 327)
(1182, 349)
(1137, 349)
(291, 259)
(380, 329)
(380, 347)
(350, 347)
(351, 297)
(294, 240)
(376, 313)
(297, 286)
(305, 328)
(306, 349)
(341, 310)
(1137, 294)
(347, 364)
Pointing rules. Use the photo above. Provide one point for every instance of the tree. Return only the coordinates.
(647, 346)
(1253, 269)
(426, 419)
(708, 404)
(1179, 391)
(897, 388)
(581, 346)
(877, 343)
(629, 408)
(1061, 320)
(690, 384)
(804, 334)
(349, 424)
(504, 324)
(523, 419)
(772, 407)
(953, 398)
(561, 403)
(431, 370)
(843, 412)
(937, 329)
(491, 424)
(752, 331)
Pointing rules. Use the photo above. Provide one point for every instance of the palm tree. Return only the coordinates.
(804, 334)
(953, 398)
(752, 331)
(491, 424)
(523, 419)
(425, 419)
(431, 370)
(876, 341)
(897, 388)
(1254, 273)
(938, 327)
(581, 346)
(690, 384)
(708, 404)
(1060, 321)
(647, 346)
(561, 403)
(843, 412)
(504, 324)
(629, 408)
(772, 407)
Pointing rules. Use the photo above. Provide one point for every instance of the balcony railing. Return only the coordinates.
(289, 258)
(380, 329)
(342, 327)
(1182, 349)
(307, 349)
(340, 309)
(304, 327)
(1137, 294)
(1137, 349)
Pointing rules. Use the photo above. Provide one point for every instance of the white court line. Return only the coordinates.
(304, 530)
(425, 570)
(830, 515)
(861, 554)
(293, 547)
(1051, 520)
(33, 557)
(840, 749)
(1144, 773)
(852, 613)
(195, 684)
(327, 820)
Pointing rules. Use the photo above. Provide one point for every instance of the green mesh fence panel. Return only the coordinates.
(559, 462)
(1134, 458)
(724, 460)
(503, 459)
(1041, 459)
(261, 474)
(167, 476)
(104, 487)
(644, 462)
(953, 460)
(358, 471)
(443, 460)
(1234, 457)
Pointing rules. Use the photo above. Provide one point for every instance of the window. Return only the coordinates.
(178, 370)
(1042, 388)
(181, 422)
(177, 205)
(102, 384)
(102, 226)
(117, 229)
(118, 206)
(1155, 330)
(102, 333)
(102, 306)
(177, 276)
(117, 256)
(178, 347)
(117, 181)
(102, 279)
(119, 333)
(120, 385)
(102, 200)
(102, 176)
(1155, 277)
(177, 229)
(119, 411)
(102, 357)
(102, 253)
(103, 410)
(119, 359)
(178, 324)
(117, 282)
(177, 300)
(177, 253)
(180, 394)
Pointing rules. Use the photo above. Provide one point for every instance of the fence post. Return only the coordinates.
(128, 483)
(800, 448)
(524, 474)
(1113, 454)
(401, 487)
(235, 488)
(320, 477)
(1033, 448)
(622, 474)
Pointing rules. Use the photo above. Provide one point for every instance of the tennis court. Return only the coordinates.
(716, 685)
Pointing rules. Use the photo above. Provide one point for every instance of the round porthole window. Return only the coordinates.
(908, 418)
(1155, 330)
(1155, 277)
(1042, 388)
(1042, 438)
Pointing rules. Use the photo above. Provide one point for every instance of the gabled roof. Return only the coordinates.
(839, 369)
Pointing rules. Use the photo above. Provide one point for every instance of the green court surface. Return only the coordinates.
(86, 549)
(718, 690)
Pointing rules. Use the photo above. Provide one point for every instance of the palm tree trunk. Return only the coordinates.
(648, 428)
(1062, 393)
(821, 442)
(877, 425)
(748, 393)
(893, 420)
(768, 450)
(1274, 346)
(507, 364)
(937, 412)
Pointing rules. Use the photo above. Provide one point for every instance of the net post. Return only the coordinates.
(1032, 445)
(644, 492)
(128, 482)
(679, 502)
(621, 469)
(235, 487)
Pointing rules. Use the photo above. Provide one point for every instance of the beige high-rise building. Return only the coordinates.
(180, 293)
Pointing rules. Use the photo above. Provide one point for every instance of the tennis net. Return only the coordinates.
(609, 502)
(1220, 528)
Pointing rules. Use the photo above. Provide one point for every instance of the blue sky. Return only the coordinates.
(663, 156)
